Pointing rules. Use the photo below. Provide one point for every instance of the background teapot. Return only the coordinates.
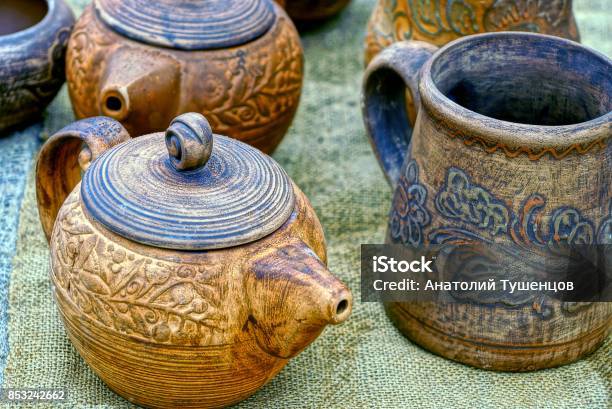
(187, 271)
(441, 21)
(238, 62)
(512, 145)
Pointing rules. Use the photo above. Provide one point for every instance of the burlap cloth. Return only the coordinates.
(363, 363)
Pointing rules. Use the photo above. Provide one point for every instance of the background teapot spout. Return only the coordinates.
(140, 89)
(293, 297)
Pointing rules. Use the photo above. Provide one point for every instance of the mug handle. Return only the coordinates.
(384, 106)
(64, 156)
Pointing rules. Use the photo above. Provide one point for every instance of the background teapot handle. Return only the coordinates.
(65, 155)
(386, 105)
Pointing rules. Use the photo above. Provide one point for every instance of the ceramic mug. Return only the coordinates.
(512, 144)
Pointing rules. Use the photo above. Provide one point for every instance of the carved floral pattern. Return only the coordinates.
(604, 235)
(460, 199)
(440, 21)
(566, 226)
(81, 65)
(152, 300)
(507, 15)
(409, 216)
(470, 204)
(251, 89)
(427, 16)
(477, 216)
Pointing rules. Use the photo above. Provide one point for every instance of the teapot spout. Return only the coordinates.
(293, 297)
(140, 90)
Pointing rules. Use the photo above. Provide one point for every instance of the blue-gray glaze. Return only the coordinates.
(234, 195)
(188, 25)
(384, 113)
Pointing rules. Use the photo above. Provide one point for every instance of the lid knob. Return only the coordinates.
(189, 140)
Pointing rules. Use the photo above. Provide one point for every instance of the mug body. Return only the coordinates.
(441, 21)
(512, 145)
(33, 38)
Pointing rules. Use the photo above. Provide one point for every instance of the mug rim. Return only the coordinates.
(513, 137)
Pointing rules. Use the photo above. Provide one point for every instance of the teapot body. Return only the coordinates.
(492, 159)
(182, 326)
(249, 92)
(142, 317)
(441, 21)
(33, 41)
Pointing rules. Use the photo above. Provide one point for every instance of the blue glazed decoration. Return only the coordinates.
(409, 215)
(459, 199)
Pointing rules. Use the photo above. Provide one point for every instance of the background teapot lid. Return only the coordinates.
(188, 24)
(185, 191)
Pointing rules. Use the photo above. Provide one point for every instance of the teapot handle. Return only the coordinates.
(65, 155)
(384, 104)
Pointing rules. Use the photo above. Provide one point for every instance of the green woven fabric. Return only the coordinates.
(365, 362)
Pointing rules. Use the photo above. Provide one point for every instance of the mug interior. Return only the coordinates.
(18, 15)
(528, 79)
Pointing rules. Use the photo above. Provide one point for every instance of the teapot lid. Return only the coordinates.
(188, 24)
(188, 193)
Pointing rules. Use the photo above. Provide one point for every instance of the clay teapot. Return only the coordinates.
(187, 267)
(441, 21)
(512, 146)
(33, 38)
(238, 62)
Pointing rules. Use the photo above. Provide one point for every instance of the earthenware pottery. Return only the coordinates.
(187, 267)
(440, 21)
(512, 145)
(33, 38)
(304, 11)
(238, 62)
